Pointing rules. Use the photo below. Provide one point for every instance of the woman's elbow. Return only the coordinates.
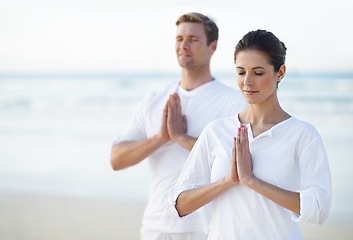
(315, 207)
(180, 212)
(179, 206)
(324, 215)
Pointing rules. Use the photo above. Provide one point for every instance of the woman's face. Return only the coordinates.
(256, 77)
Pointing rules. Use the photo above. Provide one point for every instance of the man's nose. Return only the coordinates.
(184, 44)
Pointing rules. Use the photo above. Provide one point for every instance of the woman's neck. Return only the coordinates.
(261, 118)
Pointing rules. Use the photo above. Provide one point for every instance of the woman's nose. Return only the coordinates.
(248, 81)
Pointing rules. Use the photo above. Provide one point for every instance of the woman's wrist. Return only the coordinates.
(250, 182)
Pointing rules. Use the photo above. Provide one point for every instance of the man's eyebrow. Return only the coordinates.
(187, 36)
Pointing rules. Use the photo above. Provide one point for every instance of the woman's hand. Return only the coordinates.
(232, 176)
(285, 198)
(243, 156)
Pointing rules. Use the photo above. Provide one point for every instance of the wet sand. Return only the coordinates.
(50, 217)
(43, 217)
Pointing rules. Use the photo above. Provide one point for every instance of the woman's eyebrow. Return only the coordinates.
(253, 68)
(258, 67)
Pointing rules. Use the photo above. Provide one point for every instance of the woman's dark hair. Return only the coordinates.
(266, 42)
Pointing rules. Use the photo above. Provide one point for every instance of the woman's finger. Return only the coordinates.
(238, 148)
(246, 139)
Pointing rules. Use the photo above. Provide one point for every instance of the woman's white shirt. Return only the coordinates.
(290, 155)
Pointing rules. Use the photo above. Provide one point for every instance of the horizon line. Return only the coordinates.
(161, 74)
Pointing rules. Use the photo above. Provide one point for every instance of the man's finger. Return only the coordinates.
(177, 103)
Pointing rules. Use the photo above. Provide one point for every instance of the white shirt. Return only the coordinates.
(290, 155)
(208, 102)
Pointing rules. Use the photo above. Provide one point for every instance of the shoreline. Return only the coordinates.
(66, 217)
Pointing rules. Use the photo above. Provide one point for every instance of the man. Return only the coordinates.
(166, 125)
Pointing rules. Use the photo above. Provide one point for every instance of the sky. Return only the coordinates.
(119, 36)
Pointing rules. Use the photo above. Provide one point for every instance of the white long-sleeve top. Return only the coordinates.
(290, 155)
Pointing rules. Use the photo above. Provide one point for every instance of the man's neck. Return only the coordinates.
(191, 79)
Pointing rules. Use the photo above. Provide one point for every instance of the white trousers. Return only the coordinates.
(150, 234)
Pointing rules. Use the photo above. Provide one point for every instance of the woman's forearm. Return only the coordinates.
(191, 200)
(284, 198)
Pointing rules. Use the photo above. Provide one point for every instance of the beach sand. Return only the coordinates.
(49, 217)
(54, 218)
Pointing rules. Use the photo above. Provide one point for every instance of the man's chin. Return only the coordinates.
(187, 65)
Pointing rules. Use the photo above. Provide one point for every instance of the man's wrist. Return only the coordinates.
(160, 139)
(179, 139)
(185, 141)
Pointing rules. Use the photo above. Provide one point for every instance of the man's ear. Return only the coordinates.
(213, 46)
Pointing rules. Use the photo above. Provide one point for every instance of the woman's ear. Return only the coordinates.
(281, 73)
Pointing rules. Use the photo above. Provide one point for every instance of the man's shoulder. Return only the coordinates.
(220, 85)
(161, 93)
(226, 92)
(222, 123)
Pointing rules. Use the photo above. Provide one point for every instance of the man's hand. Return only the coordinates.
(163, 135)
(176, 122)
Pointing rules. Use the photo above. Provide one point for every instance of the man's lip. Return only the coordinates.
(184, 55)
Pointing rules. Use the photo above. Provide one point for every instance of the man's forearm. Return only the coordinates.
(129, 153)
(185, 141)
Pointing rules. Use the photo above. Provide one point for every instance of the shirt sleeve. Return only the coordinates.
(135, 130)
(315, 184)
(196, 172)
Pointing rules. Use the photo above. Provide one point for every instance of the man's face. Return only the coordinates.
(191, 46)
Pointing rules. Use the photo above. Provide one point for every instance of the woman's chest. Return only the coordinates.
(273, 162)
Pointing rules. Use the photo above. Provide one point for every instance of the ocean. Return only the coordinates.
(56, 132)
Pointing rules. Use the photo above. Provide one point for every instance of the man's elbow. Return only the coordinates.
(115, 161)
(121, 157)
(115, 166)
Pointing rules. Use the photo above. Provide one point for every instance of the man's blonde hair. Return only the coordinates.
(211, 28)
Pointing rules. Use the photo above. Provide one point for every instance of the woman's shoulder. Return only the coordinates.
(303, 127)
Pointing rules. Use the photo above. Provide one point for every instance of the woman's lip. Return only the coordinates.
(248, 92)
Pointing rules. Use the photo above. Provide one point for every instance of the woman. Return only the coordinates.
(278, 173)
